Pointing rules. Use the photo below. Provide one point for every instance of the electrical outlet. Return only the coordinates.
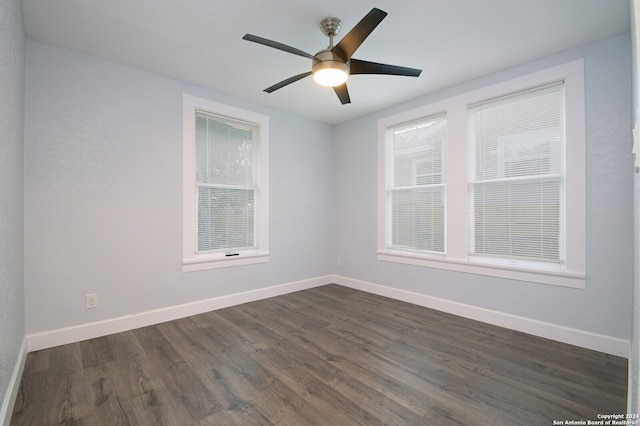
(339, 263)
(91, 301)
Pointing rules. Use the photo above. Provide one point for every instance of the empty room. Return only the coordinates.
(319, 213)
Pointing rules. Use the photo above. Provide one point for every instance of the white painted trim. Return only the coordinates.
(63, 336)
(572, 336)
(193, 261)
(598, 342)
(566, 279)
(201, 263)
(14, 386)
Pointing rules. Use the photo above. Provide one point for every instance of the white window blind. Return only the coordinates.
(226, 181)
(516, 187)
(417, 185)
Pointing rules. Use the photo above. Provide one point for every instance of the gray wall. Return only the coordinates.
(12, 47)
(103, 194)
(604, 307)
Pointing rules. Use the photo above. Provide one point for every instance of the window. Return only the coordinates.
(225, 186)
(417, 184)
(516, 173)
(490, 182)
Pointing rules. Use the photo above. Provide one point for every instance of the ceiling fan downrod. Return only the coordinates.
(330, 27)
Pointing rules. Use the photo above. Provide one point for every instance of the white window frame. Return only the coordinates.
(191, 259)
(573, 272)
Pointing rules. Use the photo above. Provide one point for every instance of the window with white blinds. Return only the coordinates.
(225, 185)
(226, 158)
(516, 172)
(489, 182)
(417, 184)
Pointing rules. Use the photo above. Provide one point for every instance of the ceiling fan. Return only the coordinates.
(332, 66)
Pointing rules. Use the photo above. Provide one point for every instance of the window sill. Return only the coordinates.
(204, 262)
(558, 278)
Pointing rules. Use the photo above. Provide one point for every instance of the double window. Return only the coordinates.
(490, 182)
(225, 186)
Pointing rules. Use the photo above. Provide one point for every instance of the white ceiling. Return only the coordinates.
(200, 41)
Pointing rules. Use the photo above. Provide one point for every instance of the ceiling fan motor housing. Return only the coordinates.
(328, 59)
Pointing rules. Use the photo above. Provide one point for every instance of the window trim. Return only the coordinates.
(191, 260)
(456, 258)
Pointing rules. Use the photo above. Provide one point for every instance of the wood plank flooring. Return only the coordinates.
(325, 356)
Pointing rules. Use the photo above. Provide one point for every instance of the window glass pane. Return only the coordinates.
(224, 150)
(225, 218)
(518, 219)
(418, 150)
(418, 219)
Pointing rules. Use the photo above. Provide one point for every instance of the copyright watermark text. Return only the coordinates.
(604, 419)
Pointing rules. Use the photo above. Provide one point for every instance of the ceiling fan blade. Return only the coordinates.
(287, 82)
(343, 93)
(354, 38)
(276, 45)
(365, 67)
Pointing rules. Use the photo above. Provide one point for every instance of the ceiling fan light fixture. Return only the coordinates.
(329, 69)
(331, 74)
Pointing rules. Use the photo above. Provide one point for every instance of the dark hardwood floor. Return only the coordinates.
(325, 356)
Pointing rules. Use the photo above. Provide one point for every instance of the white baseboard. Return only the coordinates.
(585, 339)
(63, 336)
(572, 336)
(14, 386)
